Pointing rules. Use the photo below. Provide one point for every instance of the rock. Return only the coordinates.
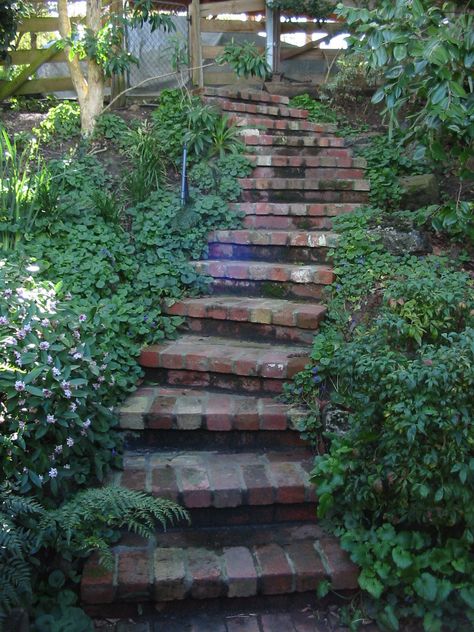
(403, 242)
(335, 419)
(419, 191)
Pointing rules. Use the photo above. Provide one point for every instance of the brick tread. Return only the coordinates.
(246, 95)
(242, 107)
(293, 209)
(259, 122)
(252, 562)
(263, 311)
(304, 184)
(220, 479)
(264, 271)
(323, 161)
(293, 141)
(292, 238)
(223, 355)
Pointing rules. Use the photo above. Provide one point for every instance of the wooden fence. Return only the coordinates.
(205, 17)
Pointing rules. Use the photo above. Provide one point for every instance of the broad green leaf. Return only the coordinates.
(370, 583)
(426, 586)
(400, 52)
(401, 557)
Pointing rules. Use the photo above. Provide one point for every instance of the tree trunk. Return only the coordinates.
(90, 92)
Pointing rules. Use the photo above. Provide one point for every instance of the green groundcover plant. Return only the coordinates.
(396, 480)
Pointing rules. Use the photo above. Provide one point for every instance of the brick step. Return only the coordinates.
(267, 110)
(250, 318)
(344, 161)
(310, 173)
(159, 408)
(244, 95)
(271, 245)
(221, 479)
(310, 195)
(275, 126)
(269, 140)
(219, 563)
(303, 151)
(304, 184)
(280, 216)
(223, 355)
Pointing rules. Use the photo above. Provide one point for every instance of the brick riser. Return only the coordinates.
(238, 252)
(268, 289)
(313, 195)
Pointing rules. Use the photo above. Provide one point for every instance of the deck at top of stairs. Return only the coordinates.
(206, 427)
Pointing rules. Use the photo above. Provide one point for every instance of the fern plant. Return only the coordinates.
(31, 536)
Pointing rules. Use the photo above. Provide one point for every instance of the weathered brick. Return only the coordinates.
(276, 576)
(307, 564)
(134, 574)
(240, 572)
(97, 584)
(169, 575)
(134, 479)
(289, 482)
(277, 623)
(259, 487)
(194, 486)
(342, 572)
(205, 574)
(164, 483)
(225, 482)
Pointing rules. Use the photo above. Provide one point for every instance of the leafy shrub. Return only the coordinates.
(318, 9)
(245, 60)
(425, 52)
(42, 549)
(62, 123)
(396, 356)
(111, 127)
(55, 387)
(317, 111)
(354, 79)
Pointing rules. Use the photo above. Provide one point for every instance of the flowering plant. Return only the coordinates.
(55, 426)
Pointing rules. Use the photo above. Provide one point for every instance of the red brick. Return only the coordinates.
(161, 413)
(260, 489)
(218, 412)
(343, 573)
(97, 585)
(246, 415)
(149, 356)
(276, 576)
(188, 378)
(240, 571)
(172, 358)
(225, 483)
(197, 361)
(308, 567)
(276, 623)
(289, 481)
(133, 574)
(205, 574)
(133, 479)
(194, 486)
(274, 416)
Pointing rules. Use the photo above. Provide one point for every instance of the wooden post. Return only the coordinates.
(195, 44)
(118, 81)
(273, 38)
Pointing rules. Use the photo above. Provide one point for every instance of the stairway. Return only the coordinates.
(210, 431)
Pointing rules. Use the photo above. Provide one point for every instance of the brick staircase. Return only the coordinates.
(209, 430)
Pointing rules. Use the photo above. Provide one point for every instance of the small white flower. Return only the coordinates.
(67, 466)
(7, 293)
(51, 419)
(64, 384)
(41, 477)
(58, 449)
(19, 386)
(56, 372)
(73, 407)
(49, 359)
(96, 385)
(44, 345)
(53, 472)
(11, 341)
(82, 318)
(67, 393)
(76, 334)
(70, 442)
(27, 327)
(21, 334)
(47, 393)
(21, 425)
(3, 320)
(77, 356)
(87, 423)
(45, 322)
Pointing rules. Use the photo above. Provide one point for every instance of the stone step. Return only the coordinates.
(218, 563)
(269, 110)
(310, 173)
(304, 184)
(250, 318)
(269, 140)
(344, 161)
(288, 216)
(303, 151)
(216, 480)
(254, 96)
(271, 245)
(274, 126)
(161, 408)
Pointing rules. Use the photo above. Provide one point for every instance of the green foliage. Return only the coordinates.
(11, 12)
(41, 549)
(426, 53)
(455, 219)
(397, 356)
(245, 60)
(353, 80)
(387, 162)
(317, 111)
(62, 123)
(318, 9)
(111, 127)
(27, 191)
(149, 160)
(181, 118)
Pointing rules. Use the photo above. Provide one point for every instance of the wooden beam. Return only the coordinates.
(195, 43)
(41, 56)
(312, 27)
(296, 52)
(43, 25)
(232, 6)
(20, 57)
(231, 26)
(53, 84)
(211, 52)
(226, 78)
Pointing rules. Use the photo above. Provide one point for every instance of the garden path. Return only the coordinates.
(210, 431)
